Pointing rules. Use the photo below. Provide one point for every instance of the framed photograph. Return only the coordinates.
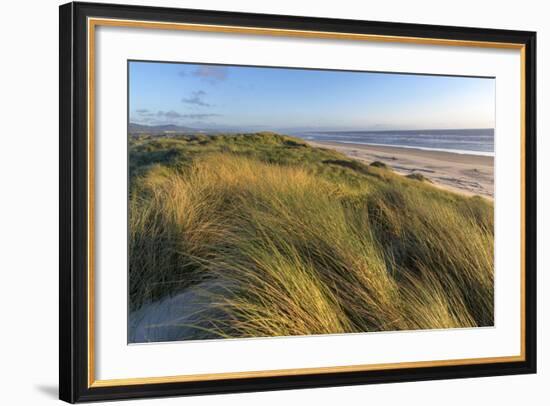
(257, 202)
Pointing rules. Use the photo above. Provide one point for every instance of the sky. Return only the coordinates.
(244, 98)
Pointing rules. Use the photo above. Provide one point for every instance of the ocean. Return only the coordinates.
(460, 141)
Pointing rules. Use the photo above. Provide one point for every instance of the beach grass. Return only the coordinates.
(302, 240)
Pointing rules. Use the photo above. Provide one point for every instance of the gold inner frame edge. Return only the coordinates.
(94, 22)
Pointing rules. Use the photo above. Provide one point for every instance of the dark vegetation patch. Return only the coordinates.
(419, 177)
(354, 165)
(379, 164)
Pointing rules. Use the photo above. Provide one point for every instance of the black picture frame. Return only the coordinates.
(74, 199)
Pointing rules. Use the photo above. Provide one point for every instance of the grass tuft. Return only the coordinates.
(419, 177)
(379, 164)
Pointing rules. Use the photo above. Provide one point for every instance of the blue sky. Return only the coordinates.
(257, 98)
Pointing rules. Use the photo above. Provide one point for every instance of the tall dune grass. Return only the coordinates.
(300, 253)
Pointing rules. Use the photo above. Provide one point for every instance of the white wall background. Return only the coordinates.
(29, 203)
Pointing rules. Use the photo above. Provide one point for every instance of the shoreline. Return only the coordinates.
(451, 151)
(463, 173)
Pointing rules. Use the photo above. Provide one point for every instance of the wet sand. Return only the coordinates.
(462, 173)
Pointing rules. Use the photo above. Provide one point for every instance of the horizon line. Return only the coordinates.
(191, 127)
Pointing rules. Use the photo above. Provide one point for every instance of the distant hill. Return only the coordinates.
(134, 129)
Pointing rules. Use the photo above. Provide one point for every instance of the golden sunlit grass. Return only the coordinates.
(311, 244)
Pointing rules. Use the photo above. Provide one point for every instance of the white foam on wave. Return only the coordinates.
(452, 151)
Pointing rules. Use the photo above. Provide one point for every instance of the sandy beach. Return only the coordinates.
(462, 173)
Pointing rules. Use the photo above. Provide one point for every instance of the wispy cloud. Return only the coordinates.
(211, 74)
(142, 120)
(193, 116)
(201, 116)
(196, 98)
(144, 115)
(169, 114)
